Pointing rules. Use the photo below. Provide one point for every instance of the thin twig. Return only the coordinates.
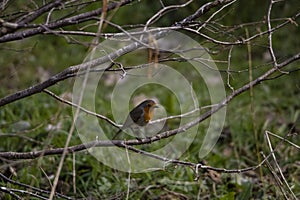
(242, 41)
(74, 174)
(162, 11)
(270, 33)
(278, 167)
(29, 187)
(277, 179)
(82, 109)
(129, 173)
(284, 139)
(228, 68)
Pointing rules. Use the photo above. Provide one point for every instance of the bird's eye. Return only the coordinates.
(149, 105)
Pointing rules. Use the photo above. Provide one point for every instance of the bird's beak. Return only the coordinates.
(156, 106)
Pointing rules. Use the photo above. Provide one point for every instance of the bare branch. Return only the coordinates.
(82, 109)
(58, 24)
(29, 187)
(278, 168)
(71, 71)
(243, 41)
(270, 33)
(35, 154)
(283, 139)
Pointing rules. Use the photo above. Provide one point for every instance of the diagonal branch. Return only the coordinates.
(166, 134)
(35, 14)
(29, 187)
(71, 71)
(58, 24)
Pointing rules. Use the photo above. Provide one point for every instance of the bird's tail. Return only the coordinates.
(117, 133)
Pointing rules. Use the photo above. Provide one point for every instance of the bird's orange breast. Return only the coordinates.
(148, 114)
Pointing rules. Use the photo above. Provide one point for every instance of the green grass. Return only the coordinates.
(275, 110)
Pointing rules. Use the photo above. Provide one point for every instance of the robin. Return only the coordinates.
(139, 116)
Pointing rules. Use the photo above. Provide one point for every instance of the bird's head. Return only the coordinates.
(148, 106)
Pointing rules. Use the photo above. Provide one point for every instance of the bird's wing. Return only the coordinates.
(134, 116)
(138, 116)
